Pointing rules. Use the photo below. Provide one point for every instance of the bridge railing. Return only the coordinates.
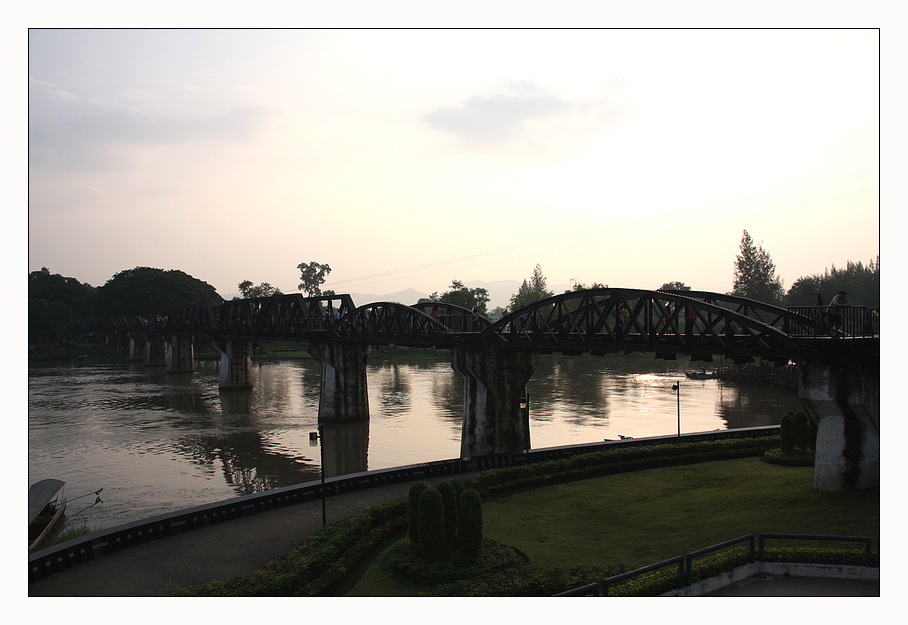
(844, 321)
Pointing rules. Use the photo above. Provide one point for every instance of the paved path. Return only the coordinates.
(243, 545)
(204, 555)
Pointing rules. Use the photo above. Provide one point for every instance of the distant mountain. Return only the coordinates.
(406, 297)
(500, 292)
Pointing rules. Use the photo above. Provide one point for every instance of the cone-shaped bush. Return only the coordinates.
(789, 437)
(431, 541)
(469, 531)
(413, 494)
(802, 430)
(449, 499)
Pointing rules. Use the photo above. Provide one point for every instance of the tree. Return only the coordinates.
(674, 286)
(580, 286)
(249, 290)
(59, 307)
(312, 276)
(146, 292)
(531, 291)
(755, 274)
(862, 282)
(460, 295)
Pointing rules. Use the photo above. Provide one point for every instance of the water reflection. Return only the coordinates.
(156, 441)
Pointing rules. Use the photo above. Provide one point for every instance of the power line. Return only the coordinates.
(828, 180)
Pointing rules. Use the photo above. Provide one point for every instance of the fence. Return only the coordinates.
(685, 563)
(848, 321)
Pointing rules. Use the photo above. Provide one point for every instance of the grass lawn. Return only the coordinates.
(643, 517)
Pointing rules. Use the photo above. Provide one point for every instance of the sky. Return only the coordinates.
(407, 158)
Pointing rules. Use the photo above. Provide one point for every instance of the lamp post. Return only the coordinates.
(676, 388)
(321, 454)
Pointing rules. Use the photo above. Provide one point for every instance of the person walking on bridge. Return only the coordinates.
(835, 313)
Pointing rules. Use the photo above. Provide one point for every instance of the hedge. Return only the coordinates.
(329, 560)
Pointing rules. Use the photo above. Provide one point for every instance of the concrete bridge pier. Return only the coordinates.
(137, 347)
(844, 402)
(495, 419)
(180, 355)
(155, 350)
(344, 394)
(236, 363)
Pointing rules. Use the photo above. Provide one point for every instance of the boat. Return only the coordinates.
(701, 375)
(46, 505)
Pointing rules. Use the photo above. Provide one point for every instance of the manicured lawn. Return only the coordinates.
(643, 517)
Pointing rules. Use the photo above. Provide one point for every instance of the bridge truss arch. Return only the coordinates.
(390, 322)
(456, 319)
(610, 320)
(290, 317)
(782, 319)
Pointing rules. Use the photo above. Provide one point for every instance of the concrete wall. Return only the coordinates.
(844, 402)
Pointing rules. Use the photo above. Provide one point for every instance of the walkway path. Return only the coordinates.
(205, 555)
(243, 545)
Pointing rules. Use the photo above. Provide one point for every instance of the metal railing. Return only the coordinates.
(844, 321)
(685, 563)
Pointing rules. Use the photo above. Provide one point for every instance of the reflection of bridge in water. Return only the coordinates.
(839, 377)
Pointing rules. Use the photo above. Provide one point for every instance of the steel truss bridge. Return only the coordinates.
(596, 321)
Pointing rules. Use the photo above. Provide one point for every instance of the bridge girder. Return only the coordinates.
(612, 320)
(455, 318)
(390, 322)
(595, 320)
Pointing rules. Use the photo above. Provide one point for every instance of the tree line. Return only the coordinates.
(63, 308)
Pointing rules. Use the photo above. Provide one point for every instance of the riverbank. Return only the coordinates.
(634, 518)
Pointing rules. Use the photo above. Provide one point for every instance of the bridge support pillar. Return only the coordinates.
(236, 363)
(344, 394)
(844, 402)
(155, 350)
(136, 347)
(180, 355)
(495, 419)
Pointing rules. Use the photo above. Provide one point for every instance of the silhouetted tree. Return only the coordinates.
(58, 307)
(582, 286)
(532, 290)
(861, 281)
(249, 290)
(674, 286)
(755, 274)
(312, 276)
(460, 295)
(146, 292)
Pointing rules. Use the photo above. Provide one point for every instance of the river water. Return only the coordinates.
(158, 442)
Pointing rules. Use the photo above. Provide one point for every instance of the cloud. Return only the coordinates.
(500, 118)
(496, 118)
(70, 132)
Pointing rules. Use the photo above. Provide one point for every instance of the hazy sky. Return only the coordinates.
(408, 158)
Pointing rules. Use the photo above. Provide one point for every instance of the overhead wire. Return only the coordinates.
(828, 180)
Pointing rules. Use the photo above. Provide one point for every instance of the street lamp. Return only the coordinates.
(321, 451)
(676, 388)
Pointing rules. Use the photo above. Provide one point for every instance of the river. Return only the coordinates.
(158, 442)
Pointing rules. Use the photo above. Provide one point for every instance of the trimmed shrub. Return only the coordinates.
(789, 437)
(469, 531)
(449, 499)
(413, 494)
(431, 520)
(802, 430)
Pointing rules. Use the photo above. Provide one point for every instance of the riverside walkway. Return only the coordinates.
(205, 555)
(244, 545)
